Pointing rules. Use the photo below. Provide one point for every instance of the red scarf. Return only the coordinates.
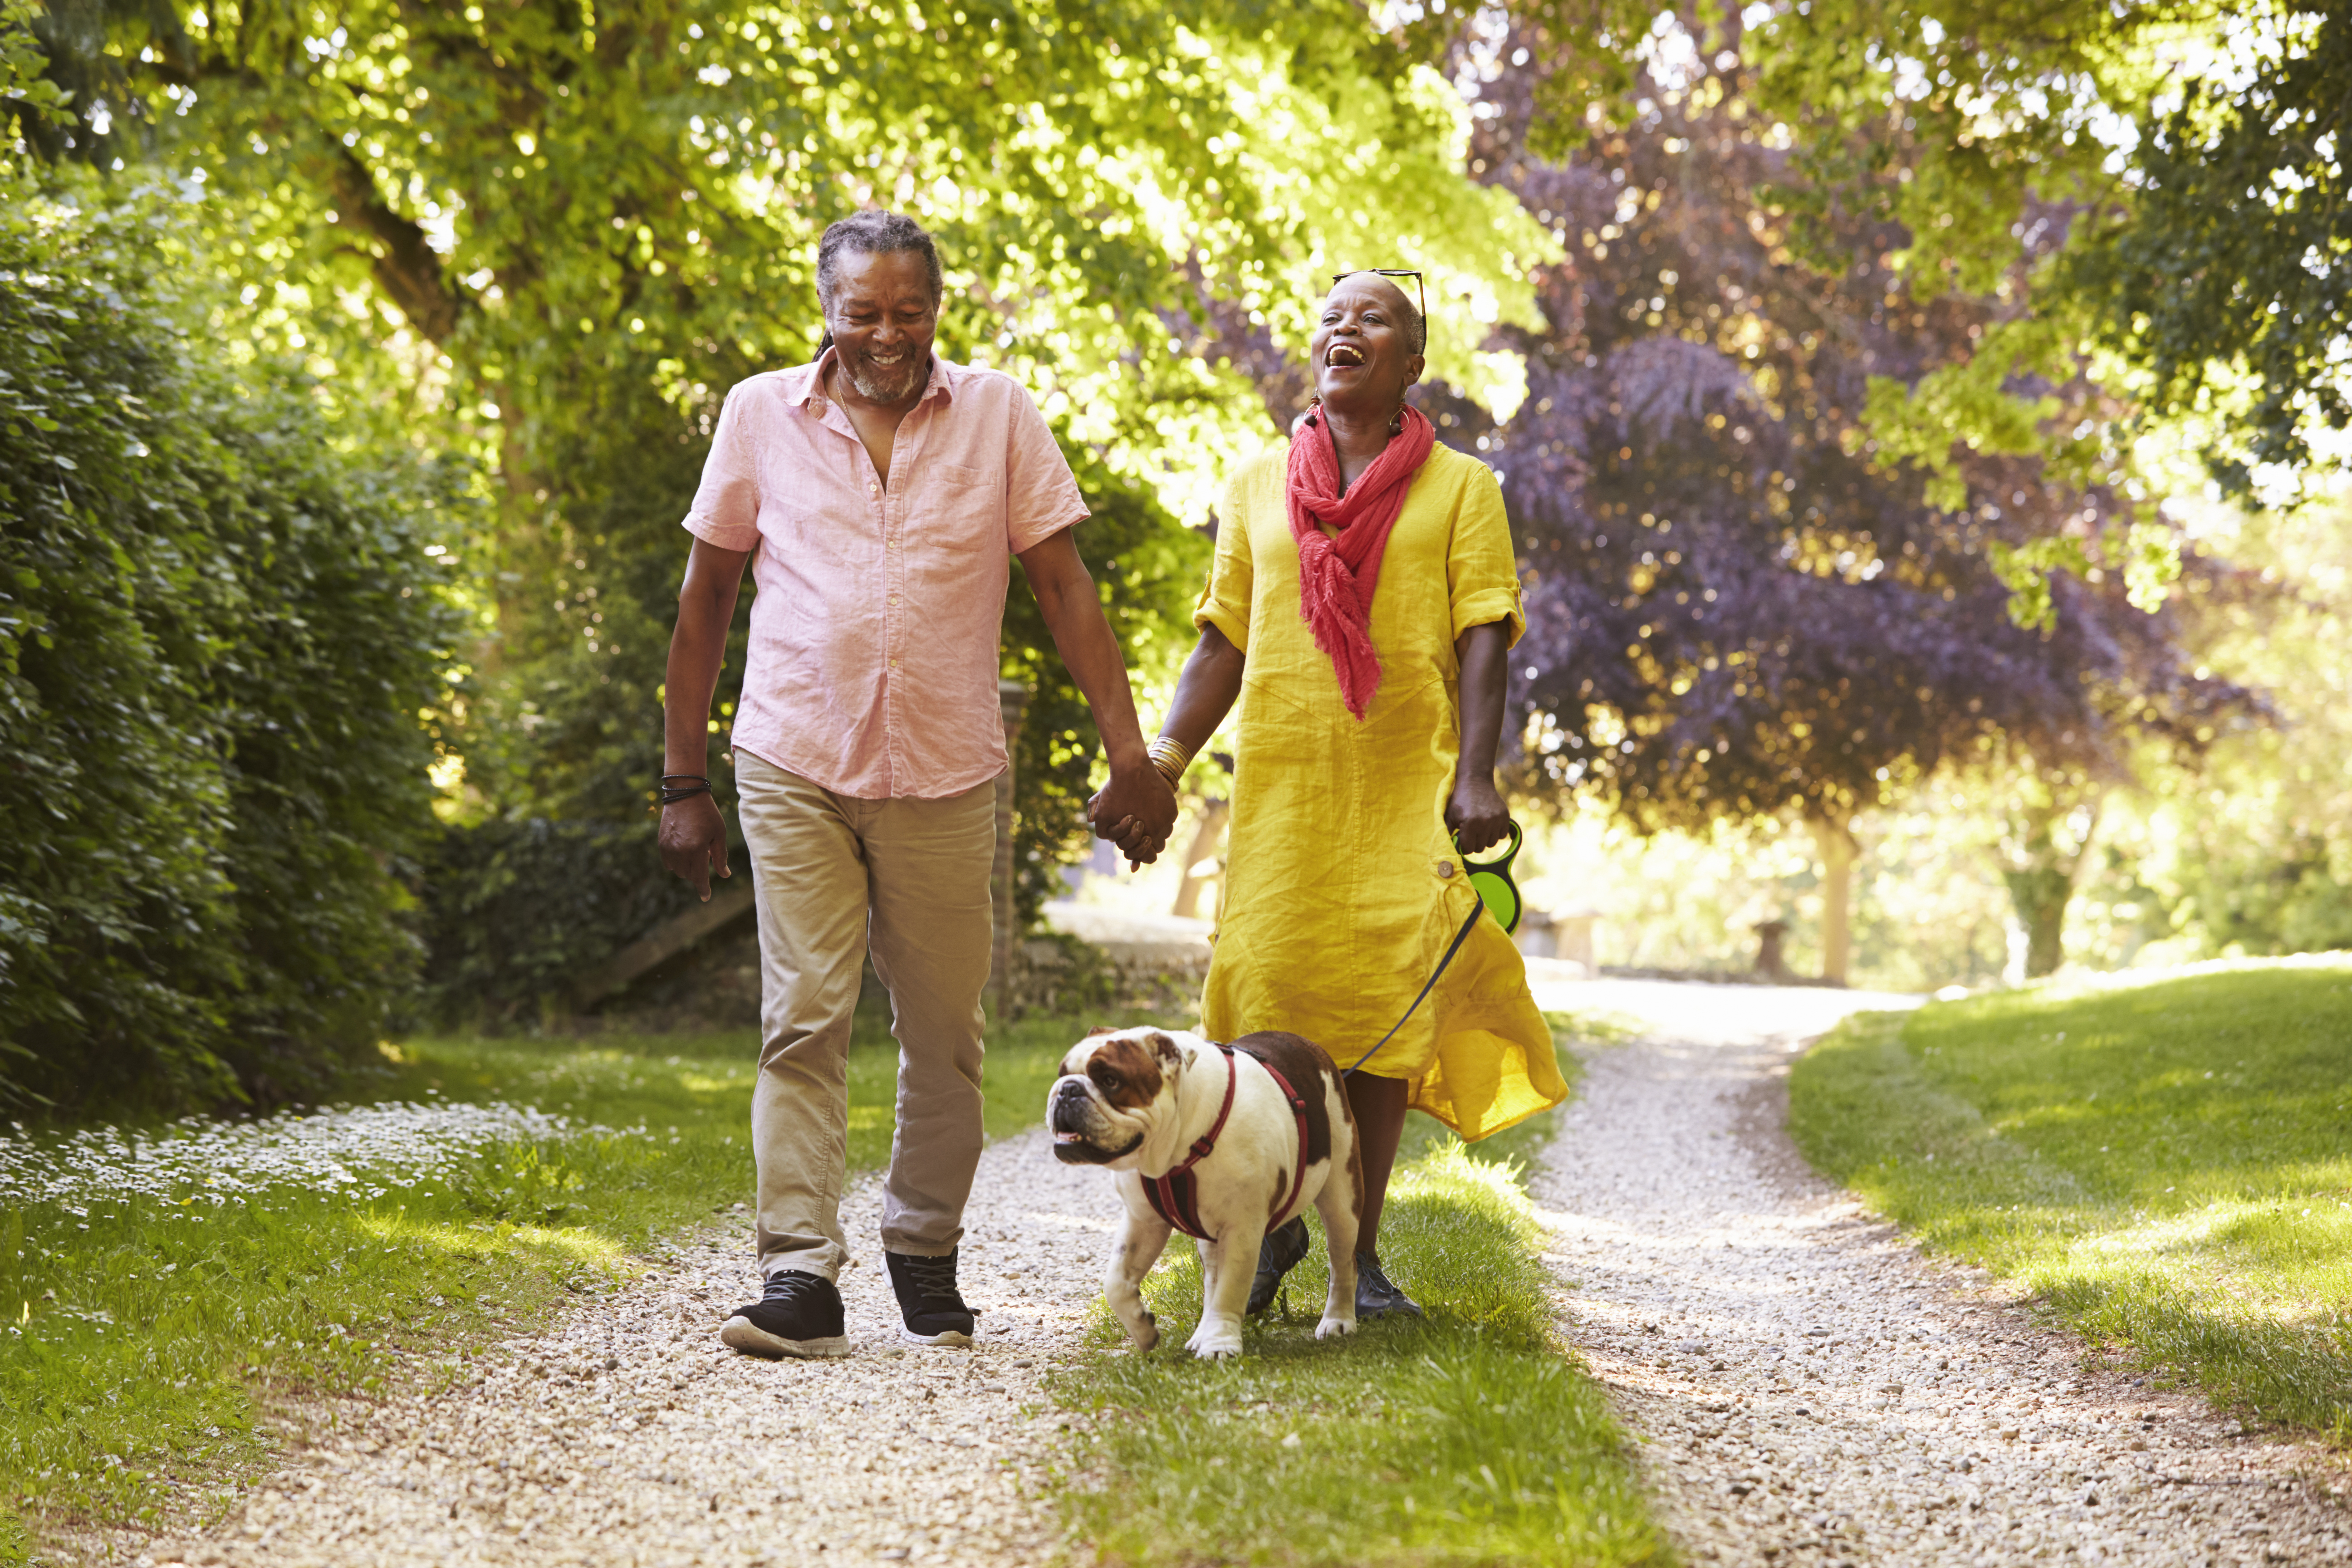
(1336, 576)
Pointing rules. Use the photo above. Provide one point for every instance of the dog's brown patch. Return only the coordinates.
(1127, 1071)
(1301, 1061)
(1100, 1029)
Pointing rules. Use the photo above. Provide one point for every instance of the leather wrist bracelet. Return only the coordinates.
(672, 794)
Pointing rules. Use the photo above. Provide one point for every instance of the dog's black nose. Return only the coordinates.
(1072, 1089)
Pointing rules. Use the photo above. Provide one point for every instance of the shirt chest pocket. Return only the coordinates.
(959, 512)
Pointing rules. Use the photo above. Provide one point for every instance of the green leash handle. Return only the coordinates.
(1491, 879)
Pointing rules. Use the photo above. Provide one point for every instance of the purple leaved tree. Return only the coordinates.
(1735, 609)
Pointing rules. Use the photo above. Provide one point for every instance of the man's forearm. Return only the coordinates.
(692, 679)
(1091, 655)
(705, 603)
(1074, 614)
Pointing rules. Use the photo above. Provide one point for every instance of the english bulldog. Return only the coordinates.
(1205, 1138)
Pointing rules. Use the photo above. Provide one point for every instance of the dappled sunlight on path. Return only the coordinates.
(1811, 1390)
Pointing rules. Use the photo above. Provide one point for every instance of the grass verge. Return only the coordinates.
(152, 1309)
(1468, 1439)
(2166, 1159)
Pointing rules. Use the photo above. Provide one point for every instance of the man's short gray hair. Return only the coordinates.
(874, 232)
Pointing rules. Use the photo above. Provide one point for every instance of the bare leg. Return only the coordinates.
(1137, 1248)
(1378, 1104)
(1226, 1267)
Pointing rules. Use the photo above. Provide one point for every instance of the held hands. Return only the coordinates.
(1136, 811)
(694, 841)
(1476, 815)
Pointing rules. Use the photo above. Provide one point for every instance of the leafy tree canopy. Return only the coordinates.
(550, 195)
(2163, 180)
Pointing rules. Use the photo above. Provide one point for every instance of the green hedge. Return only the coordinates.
(219, 634)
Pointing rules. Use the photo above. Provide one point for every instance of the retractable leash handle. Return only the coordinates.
(1492, 879)
(1496, 872)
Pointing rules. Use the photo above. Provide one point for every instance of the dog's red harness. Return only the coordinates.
(1175, 1196)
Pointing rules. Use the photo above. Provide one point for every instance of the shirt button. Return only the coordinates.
(1446, 867)
(894, 601)
(894, 664)
(816, 408)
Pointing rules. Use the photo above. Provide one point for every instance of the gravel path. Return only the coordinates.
(628, 1436)
(1811, 1391)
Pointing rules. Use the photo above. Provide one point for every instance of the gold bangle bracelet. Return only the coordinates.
(1171, 756)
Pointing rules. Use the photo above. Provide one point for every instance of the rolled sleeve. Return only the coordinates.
(1041, 495)
(1224, 601)
(726, 510)
(1481, 568)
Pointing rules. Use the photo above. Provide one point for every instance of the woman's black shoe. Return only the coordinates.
(1277, 1255)
(1377, 1297)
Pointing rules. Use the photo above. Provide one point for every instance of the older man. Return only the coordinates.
(877, 495)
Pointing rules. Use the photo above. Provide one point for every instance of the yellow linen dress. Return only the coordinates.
(1342, 885)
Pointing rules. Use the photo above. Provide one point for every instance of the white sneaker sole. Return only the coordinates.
(743, 1334)
(950, 1340)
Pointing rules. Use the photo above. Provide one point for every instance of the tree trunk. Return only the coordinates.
(1834, 838)
(2046, 853)
(1205, 834)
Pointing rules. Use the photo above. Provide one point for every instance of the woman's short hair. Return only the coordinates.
(1416, 326)
(874, 232)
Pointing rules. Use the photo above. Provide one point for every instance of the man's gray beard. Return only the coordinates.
(872, 386)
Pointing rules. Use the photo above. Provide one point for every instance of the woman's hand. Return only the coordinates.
(694, 841)
(1477, 816)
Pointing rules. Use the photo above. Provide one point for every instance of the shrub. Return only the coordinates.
(217, 634)
(516, 911)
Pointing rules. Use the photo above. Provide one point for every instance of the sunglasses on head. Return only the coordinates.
(1418, 287)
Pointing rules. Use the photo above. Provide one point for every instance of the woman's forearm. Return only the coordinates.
(1484, 688)
(706, 605)
(1205, 692)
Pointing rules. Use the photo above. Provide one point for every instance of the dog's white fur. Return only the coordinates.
(1258, 1148)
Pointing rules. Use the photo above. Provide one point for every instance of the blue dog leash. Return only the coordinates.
(1500, 870)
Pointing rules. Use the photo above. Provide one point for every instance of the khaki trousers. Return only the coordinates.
(832, 875)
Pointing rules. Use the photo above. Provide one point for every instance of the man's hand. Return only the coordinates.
(694, 841)
(1136, 811)
(1476, 815)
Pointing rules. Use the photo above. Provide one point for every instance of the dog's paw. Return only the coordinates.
(1218, 1342)
(1145, 1333)
(1332, 1328)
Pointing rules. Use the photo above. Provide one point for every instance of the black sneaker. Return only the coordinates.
(799, 1314)
(928, 1299)
(1277, 1255)
(1377, 1297)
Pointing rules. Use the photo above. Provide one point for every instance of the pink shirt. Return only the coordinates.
(873, 632)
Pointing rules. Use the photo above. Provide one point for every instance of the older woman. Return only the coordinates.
(1362, 600)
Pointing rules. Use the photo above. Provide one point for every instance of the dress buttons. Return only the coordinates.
(1446, 867)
